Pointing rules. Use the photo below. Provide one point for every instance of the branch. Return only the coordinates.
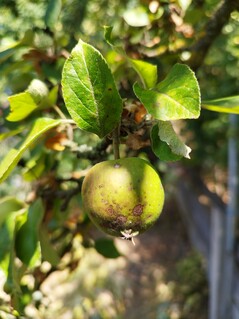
(212, 30)
(96, 154)
(66, 195)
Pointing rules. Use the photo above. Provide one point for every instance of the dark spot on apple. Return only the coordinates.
(110, 210)
(138, 210)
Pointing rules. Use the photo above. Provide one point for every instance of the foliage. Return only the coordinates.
(70, 87)
(192, 288)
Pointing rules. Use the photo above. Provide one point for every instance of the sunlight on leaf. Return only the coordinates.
(176, 97)
(224, 105)
(89, 91)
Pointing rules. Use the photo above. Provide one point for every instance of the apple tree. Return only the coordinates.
(85, 102)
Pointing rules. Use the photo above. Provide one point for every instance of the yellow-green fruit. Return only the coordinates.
(123, 197)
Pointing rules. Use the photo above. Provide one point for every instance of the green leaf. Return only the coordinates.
(34, 168)
(146, 71)
(27, 236)
(52, 13)
(161, 149)
(176, 97)
(117, 45)
(89, 91)
(13, 156)
(166, 144)
(167, 134)
(5, 135)
(9, 205)
(225, 105)
(23, 104)
(48, 252)
(106, 247)
(13, 47)
(7, 230)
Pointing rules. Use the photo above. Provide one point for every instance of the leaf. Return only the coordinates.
(13, 156)
(23, 104)
(27, 236)
(106, 247)
(225, 105)
(48, 252)
(7, 230)
(52, 13)
(176, 97)
(9, 205)
(161, 149)
(116, 45)
(34, 168)
(166, 143)
(89, 91)
(5, 135)
(146, 71)
(12, 48)
(167, 134)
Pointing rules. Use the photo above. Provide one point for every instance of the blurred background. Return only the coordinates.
(177, 269)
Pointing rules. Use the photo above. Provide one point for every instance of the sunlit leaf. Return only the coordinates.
(52, 13)
(23, 104)
(13, 156)
(89, 91)
(225, 105)
(146, 71)
(176, 97)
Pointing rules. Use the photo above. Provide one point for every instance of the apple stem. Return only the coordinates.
(116, 143)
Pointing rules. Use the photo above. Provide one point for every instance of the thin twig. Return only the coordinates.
(116, 142)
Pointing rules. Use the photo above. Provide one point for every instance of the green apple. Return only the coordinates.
(123, 197)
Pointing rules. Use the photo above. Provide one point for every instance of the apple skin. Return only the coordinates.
(123, 197)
